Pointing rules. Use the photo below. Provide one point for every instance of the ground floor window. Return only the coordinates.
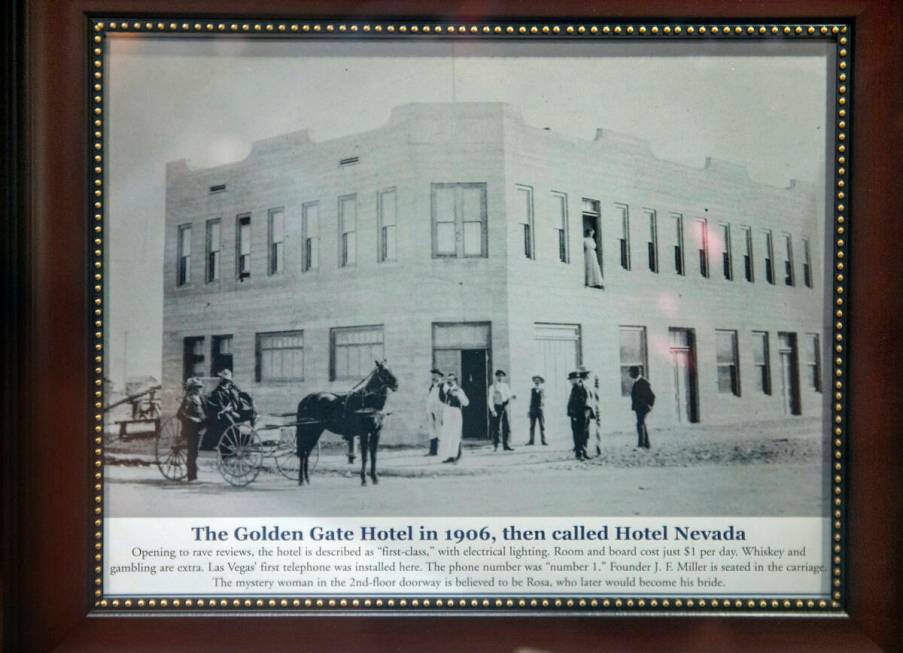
(728, 363)
(762, 362)
(280, 356)
(193, 357)
(813, 362)
(633, 354)
(354, 350)
(221, 354)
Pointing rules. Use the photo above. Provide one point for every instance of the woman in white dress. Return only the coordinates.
(593, 276)
(454, 400)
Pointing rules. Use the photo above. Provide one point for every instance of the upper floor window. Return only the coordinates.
(768, 246)
(184, 271)
(310, 236)
(525, 218)
(748, 260)
(592, 229)
(214, 244)
(280, 356)
(560, 220)
(652, 243)
(728, 362)
(727, 254)
(277, 240)
(347, 230)
(243, 247)
(353, 351)
(459, 220)
(623, 211)
(678, 222)
(807, 264)
(789, 276)
(388, 210)
(701, 235)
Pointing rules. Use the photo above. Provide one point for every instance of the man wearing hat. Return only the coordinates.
(578, 412)
(535, 412)
(192, 417)
(592, 402)
(224, 406)
(641, 401)
(499, 398)
(434, 403)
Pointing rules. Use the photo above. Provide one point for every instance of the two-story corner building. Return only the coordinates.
(454, 237)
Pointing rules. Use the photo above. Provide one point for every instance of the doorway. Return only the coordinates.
(471, 367)
(464, 349)
(557, 353)
(474, 380)
(592, 219)
(683, 363)
(790, 374)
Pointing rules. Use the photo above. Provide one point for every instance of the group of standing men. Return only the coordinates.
(444, 405)
(582, 411)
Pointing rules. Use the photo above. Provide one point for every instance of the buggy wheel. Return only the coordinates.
(240, 454)
(172, 450)
(288, 463)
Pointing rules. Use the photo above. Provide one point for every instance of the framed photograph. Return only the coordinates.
(457, 316)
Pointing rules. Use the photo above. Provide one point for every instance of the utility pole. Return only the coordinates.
(125, 361)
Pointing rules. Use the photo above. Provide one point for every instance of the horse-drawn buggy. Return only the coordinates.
(225, 425)
(241, 446)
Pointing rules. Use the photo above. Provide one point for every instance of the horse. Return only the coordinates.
(355, 413)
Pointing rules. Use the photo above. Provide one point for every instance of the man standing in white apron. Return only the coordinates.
(454, 400)
(434, 410)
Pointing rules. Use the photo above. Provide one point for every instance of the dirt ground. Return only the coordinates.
(772, 469)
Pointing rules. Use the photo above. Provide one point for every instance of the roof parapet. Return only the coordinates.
(620, 139)
(450, 110)
(727, 169)
(176, 169)
(801, 186)
(281, 142)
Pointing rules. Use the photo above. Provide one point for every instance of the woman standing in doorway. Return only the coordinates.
(593, 276)
(454, 400)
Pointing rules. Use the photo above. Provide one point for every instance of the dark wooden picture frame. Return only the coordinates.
(48, 470)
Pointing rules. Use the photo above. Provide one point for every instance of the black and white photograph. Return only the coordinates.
(452, 277)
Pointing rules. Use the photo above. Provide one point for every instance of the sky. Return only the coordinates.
(207, 100)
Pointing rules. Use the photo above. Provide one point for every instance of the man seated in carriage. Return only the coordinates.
(226, 405)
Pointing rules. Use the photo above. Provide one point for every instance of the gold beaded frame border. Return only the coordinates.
(838, 33)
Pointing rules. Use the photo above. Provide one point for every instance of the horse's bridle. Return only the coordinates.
(365, 392)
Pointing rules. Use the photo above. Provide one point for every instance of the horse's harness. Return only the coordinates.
(363, 393)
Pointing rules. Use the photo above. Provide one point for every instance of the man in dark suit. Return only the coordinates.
(641, 401)
(536, 412)
(191, 415)
(578, 411)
